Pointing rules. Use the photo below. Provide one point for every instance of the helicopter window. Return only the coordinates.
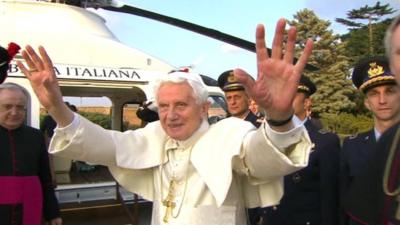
(129, 119)
(217, 110)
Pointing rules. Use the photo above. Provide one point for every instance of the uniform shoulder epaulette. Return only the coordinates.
(353, 136)
(323, 131)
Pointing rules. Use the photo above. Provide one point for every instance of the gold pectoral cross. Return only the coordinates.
(168, 201)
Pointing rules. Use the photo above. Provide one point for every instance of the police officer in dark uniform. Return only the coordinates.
(237, 99)
(311, 194)
(373, 77)
(374, 196)
(239, 106)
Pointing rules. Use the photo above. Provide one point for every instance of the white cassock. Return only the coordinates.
(216, 173)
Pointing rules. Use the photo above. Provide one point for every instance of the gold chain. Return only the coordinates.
(186, 181)
(388, 165)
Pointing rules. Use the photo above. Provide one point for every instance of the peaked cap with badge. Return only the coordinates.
(372, 72)
(228, 82)
(306, 85)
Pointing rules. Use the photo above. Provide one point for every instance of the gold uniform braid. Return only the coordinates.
(389, 162)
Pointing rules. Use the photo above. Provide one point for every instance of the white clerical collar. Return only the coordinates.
(173, 144)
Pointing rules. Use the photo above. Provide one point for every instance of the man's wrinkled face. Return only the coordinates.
(383, 101)
(180, 114)
(238, 103)
(12, 108)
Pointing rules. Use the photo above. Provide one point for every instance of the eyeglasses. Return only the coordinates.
(9, 107)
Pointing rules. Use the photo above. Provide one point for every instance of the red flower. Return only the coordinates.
(12, 49)
(185, 70)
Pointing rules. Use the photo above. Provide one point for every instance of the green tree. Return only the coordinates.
(346, 124)
(335, 92)
(103, 120)
(372, 15)
(357, 47)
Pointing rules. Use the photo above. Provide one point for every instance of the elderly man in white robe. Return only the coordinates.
(181, 163)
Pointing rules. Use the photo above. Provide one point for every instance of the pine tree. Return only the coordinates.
(372, 14)
(335, 92)
(356, 45)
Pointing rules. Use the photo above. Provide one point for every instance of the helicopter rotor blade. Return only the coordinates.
(241, 43)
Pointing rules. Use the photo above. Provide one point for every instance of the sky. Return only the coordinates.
(236, 17)
(239, 18)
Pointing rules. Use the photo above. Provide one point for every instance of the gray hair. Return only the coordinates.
(389, 34)
(200, 92)
(14, 86)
